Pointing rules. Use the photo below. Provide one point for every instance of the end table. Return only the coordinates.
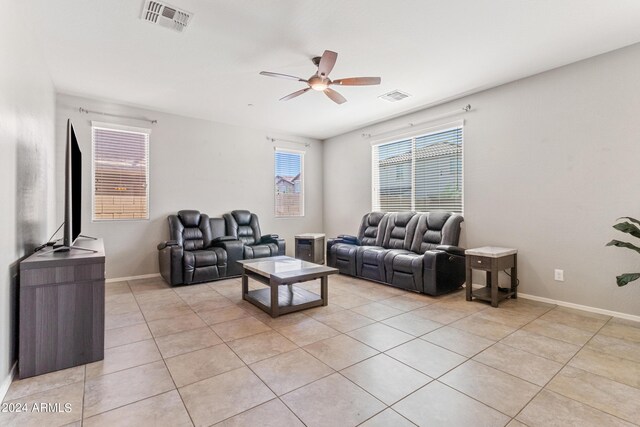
(310, 247)
(492, 259)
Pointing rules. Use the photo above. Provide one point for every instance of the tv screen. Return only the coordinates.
(76, 186)
(73, 188)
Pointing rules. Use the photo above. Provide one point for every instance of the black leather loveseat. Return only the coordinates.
(410, 250)
(202, 249)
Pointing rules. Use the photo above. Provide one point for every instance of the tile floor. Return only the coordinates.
(375, 356)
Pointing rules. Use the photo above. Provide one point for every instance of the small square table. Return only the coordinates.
(275, 272)
(492, 260)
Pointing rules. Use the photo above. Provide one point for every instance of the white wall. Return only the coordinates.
(194, 164)
(550, 162)
(26, 165)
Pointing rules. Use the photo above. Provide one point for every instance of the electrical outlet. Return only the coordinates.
(558, 275)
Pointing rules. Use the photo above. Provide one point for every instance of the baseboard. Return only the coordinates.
(142, 276)
(581, 307)
(6, 383)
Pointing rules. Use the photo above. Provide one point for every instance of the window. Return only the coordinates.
(421, 173)
(289, 183)
(120, 172)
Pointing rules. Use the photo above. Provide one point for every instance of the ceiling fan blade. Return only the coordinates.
(294, 94)
(327, 62)
(357, 81)
(335, 96)
(282, 76)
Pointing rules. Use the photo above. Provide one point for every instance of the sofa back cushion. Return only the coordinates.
(436, 228)
(244, 226)
(399, 230)
(190, 229)
(218, 227)
(372, 229)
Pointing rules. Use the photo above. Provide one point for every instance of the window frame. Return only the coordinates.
(302, 186)
(412, 135)
(121, 128)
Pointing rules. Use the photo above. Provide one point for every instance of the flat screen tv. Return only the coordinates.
(73, 188)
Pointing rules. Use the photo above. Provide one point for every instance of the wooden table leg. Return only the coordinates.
(324, 287)
(245, 285)
(514, 277)
(493, 279)
(275, 307)
(469, 284)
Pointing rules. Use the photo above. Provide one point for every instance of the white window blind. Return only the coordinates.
(120, 172)
(289, 183)
(421, 173)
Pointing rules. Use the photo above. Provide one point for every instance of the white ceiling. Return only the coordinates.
(434, 50)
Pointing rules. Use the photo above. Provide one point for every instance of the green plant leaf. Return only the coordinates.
(627, 227)
(624, 279)
(630, 219)
(627, 245)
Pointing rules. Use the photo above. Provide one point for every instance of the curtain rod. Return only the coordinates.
(462, 110)
(144, 119)
(306, 144)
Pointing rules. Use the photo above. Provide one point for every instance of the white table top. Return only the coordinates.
(491, 251)
(310, 236)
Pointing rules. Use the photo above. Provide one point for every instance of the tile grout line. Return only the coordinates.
(261, 380)
(256, 375)
(135, 401)
(560, 370)
(84, 386)
(164, 363)
(610, 379)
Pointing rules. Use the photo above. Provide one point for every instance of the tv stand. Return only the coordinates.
(61, 309)
(70, 248)
(63, 248)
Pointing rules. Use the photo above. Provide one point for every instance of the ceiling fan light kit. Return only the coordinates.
(320, 81)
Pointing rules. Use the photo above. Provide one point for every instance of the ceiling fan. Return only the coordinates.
(320, 81)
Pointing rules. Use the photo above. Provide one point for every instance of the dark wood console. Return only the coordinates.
(61, 309)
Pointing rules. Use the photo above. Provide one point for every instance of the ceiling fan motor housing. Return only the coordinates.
(318, 82)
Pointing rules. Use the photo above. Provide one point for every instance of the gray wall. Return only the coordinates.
(26, 164)
(550, 162)
(194, 164)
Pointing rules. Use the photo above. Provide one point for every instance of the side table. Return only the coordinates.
(491, 260)
(310, 247)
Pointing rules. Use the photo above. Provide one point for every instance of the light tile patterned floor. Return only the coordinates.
(376, 356)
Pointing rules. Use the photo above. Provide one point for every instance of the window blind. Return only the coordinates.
(120, 173)
(289, 183)
(422, 173)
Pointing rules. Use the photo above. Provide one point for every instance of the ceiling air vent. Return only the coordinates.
(166, 15)
(394, 95)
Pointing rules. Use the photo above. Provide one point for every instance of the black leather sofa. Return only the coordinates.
(416, 251)
(202, 249)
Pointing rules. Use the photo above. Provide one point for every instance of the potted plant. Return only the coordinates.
(632, 229)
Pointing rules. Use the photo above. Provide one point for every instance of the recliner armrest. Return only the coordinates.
(223, 239)
(163, 245)
(269, 238)
(347, 238)
(235, 252)
(451, 250)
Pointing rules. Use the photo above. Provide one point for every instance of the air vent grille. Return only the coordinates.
(163, 14)
(394, 96)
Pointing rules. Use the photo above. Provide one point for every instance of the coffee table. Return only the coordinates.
(280, 273)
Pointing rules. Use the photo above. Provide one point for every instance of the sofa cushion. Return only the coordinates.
(372, 228)
(370, 254)
(404, 262)
(399, 230)
(432, 228)
(204, 258)
(260, 251)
